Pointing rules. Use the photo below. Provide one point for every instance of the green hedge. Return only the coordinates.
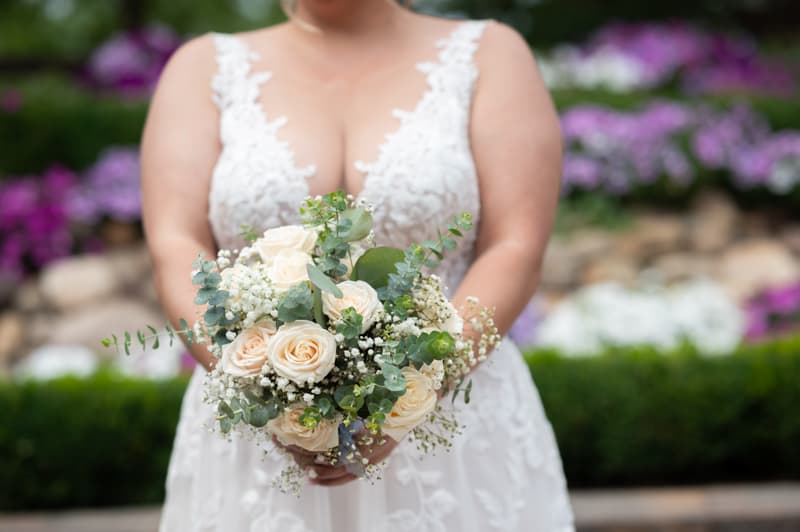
(104, 441)
(70, 30)
(637, 417)
(631, 417)
(60, 122)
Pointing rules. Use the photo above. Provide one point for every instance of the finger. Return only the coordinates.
(335, 482)
(299, 450)
(321, 472)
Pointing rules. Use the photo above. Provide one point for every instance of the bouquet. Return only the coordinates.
(327, 342)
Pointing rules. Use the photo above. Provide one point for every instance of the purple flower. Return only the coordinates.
(34, 224)
(703, 61)
(131, 62)
(773, 311)
(109, 188)
(523, 331)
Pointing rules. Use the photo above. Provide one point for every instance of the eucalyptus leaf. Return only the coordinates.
(375, 265)
(360, 224)
(262, 413)
(213, 315)
(297, 304)
(394, 379)
(322, 281)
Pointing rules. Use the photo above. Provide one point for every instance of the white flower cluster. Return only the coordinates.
(569, 67)
(608, 314)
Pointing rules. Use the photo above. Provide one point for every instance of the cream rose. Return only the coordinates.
(358, 295)
(413, 407)
(302, 351)
(294, 237)
(289, 431)
(247, 353)
(288, 268)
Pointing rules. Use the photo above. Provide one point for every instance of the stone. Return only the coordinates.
(753, 265)
(682, 266)
(88, 326)
(652, 234)
(790, 236)
(131, 264)
(560, 266)
(120, 233)
(713, 222)
(565, 257)
(76, 281)
(28, 298)
(610, 268)
(12, 336)
(586, 244)
(755, 224)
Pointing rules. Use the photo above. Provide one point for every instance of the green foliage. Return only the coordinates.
(341, 226)
(428, 254)
(322, 281)
(102, 441)
(297, 304)
(375, 266)
(636, 416)
(350, 325)
(628, 417)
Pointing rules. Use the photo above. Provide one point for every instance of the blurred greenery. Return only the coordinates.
(96, 442)
(628, 417)
(67, 124)
(636, 417)
(69, 29)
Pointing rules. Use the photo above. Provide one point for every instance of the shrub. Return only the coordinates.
(637, 417)
(96, 442)
(628, 417)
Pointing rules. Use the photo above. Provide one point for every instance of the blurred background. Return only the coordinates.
(665, 337)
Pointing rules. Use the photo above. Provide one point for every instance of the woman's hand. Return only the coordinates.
(323, 474)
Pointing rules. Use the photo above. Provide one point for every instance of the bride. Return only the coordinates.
(423, 118)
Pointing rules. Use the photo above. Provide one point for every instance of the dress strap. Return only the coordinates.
(460, 46)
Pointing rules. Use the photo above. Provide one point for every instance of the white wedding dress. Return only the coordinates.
(504, 472)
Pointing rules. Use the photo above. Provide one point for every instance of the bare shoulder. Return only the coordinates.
(194, 62)
(504, 46)
(195, 54)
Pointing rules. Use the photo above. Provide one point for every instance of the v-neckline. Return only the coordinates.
(366, 168)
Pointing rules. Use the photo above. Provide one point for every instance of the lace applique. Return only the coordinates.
(256, 181)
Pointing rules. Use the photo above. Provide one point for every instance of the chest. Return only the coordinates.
(405, 148)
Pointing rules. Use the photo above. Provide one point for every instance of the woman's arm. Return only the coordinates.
(179, 149)
(516, 143)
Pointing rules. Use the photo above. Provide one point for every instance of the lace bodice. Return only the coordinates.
(424, 173)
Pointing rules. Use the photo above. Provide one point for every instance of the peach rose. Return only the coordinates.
(288, 237)
(302, 351)
(247, 353)
(358, 295)
(289, 431)
(413, 407)
(288, 268)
